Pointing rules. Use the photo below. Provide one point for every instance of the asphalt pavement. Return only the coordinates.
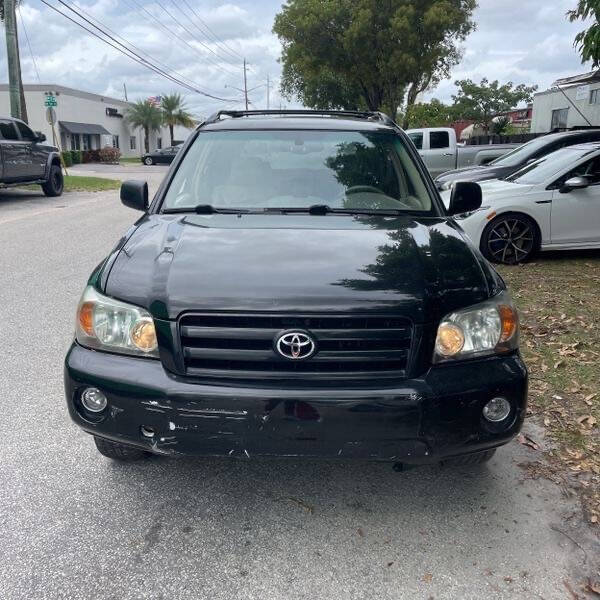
(73, 524)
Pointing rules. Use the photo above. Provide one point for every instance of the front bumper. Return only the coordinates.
(421, 420)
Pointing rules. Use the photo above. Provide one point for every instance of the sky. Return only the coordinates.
(524, 41)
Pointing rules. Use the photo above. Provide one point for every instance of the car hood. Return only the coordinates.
(474, 174)
(421, 269)
(494, 191)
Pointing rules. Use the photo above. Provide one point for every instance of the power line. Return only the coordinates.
(37, 73)
(164, 8)
(130, 54)
(214, 35)
(127, 42)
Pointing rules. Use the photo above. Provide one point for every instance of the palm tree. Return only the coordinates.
(175, 113)
(146, 115)
(21, 90)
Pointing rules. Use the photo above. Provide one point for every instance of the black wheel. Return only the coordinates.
(467, 460)
(148, 161)
(118, 451)
(55, 184)
(510, 239)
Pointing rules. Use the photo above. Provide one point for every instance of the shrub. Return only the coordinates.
(67, 160)
(76, 157)
(89, 156)
(109, 154)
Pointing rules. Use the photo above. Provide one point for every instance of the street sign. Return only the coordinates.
(51, 116)
(50, 101)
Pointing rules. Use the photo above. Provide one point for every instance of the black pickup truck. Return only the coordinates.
(25, 159)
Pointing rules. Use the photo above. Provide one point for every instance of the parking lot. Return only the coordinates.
(75, 525)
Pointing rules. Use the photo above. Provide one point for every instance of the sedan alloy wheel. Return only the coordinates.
(509, 240)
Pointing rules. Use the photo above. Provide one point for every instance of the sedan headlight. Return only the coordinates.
(491, 327)
(114, 326)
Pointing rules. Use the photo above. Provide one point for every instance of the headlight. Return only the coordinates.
(463, 216)
(107, 324)
(491, 327)
(445, 186)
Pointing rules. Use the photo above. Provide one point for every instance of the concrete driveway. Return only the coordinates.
(75, 525)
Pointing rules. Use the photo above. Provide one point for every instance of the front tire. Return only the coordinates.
(55, 184)
(510, 239)
(117, 451)
(148, 161)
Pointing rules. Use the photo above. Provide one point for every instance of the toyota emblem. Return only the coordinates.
(295, 345)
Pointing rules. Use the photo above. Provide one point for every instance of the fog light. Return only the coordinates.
(496, 410)
(93, 400)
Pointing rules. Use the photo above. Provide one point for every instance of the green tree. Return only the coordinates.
(588, 40)
(367, 53)
(21, 90)
(482, 102)
(429, 114)
(146, 115)
(175, 112)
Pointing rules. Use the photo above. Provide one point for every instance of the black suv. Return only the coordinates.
(26, 159)
(518, 158)
(296, 288)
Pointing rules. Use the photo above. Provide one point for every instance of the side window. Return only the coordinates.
(417, 140)
(8, 131)
(589, 169)
(26, 133)
(439, 140)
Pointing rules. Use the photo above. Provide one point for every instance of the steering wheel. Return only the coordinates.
(368, 189)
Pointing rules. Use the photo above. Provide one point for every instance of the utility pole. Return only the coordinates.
(125, 90)
(245, 85)
(12, 55)
(268, 92)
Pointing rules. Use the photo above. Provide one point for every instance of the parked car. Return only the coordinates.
(551, 204)
(26, 159)
(441, 152)
(296, 288)
(163, 156)
(519, 157)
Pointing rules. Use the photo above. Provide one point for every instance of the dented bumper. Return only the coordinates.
(419, 421)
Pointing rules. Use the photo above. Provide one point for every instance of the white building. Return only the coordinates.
(86, 121)
(570, 102)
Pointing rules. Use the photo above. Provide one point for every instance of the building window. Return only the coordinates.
(132, 142)
(115, 141)
(159, 143)
(87, 142)
(559, 118)
(75, 141)
(595, 96)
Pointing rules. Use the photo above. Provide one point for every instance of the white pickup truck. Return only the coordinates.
(441, 152)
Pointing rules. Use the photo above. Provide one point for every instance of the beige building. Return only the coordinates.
(86, 121)
(570, 102)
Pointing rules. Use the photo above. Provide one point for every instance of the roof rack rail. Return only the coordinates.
(357, 114)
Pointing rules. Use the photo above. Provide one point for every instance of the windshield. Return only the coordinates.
(549, 166)
(522, 154)
(298, 169)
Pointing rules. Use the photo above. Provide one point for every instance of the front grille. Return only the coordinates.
(242, 346)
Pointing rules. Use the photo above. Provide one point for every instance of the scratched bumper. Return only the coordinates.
(420, 421)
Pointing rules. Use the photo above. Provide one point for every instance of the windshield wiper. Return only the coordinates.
(325, 209)
(208, 209)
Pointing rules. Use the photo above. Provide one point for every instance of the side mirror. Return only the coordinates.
(575, 183)
(134, 194)
(466, 197)
(39, 136)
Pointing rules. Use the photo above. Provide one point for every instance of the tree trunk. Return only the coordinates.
(171, 132)
(411, 97)
(147, 139)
